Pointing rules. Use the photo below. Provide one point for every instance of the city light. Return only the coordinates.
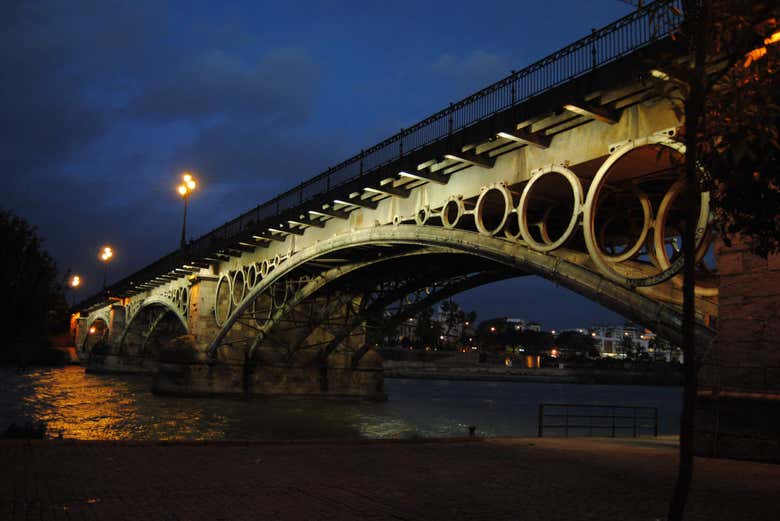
(92, 330)
(106, 253)
(75, 281)
(187, 185)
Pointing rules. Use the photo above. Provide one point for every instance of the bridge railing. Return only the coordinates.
(634, 31)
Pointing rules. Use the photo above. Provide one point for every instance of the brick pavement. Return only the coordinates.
(517, 479)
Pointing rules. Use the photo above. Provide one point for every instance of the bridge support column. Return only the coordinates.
(738, 412)
(81, 334)
(116, 325)
(288, 360)
(200, 314)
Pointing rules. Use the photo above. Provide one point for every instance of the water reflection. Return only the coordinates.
(86, 406)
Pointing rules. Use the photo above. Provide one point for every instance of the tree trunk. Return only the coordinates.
(696, 18)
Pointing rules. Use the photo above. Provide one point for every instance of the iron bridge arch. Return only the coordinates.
(312, 269)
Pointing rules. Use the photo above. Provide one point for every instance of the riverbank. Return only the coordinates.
(530, 479)
(493, 373)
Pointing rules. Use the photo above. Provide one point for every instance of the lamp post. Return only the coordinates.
(106, 254)
(185, 189)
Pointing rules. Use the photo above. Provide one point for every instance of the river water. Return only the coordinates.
(99, 407)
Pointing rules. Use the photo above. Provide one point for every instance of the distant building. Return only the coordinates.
(518, 324)
(533, 326)
(611, 341)
(408, 329)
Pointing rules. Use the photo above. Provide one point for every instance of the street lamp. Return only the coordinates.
(106, 254)
(186, 187)
(74, 281)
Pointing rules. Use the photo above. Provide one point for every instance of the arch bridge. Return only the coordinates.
(568, 169)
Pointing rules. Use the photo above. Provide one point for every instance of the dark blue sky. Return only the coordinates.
(103, 103)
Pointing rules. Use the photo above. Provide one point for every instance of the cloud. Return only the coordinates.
(471, 71)
(278, 87)
(102, 106)
(51, 53)
(246, 164)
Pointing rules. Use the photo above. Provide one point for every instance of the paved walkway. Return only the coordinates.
(518, 479)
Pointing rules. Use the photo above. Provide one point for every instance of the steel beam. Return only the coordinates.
(388, 189)
(425, 175)
(600, 113)
(336, 214)
(536, 139)
(357, 201)
(303, 221)
(472, 159)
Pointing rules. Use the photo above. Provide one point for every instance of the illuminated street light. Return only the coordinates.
(92, 330)
(185, 189)
(73, 282)
(106, 254)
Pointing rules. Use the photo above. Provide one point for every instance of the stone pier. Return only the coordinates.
(739, 400)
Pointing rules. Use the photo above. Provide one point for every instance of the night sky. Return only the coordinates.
(104, 103)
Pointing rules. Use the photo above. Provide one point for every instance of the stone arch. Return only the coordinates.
(154, 323)
(640, 305)
(97, 332)
(163, 302)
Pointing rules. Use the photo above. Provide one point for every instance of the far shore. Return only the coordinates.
(494, 373)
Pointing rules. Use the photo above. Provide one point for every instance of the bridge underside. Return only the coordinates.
(310, 326)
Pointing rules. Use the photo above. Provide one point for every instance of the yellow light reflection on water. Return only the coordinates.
(96, 407)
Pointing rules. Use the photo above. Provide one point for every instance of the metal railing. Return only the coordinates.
(640, 28)
(604, 420)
